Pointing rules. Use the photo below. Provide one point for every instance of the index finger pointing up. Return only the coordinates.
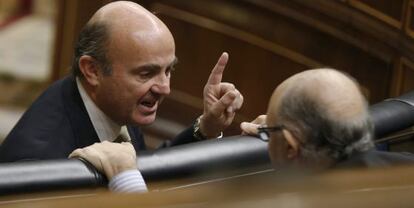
(217, 72)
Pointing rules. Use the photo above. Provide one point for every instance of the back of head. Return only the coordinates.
(325, 110)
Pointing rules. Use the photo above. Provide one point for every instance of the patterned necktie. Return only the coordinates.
(123, 136)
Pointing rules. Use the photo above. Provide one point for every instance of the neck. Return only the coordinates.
(90, 90)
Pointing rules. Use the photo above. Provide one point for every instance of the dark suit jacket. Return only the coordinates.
(57, 123)
(375, 158)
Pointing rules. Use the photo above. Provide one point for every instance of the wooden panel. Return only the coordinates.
(261, 55)
(390, 12)
(321, 48)
(251, 68)
(409, 26)
(405, 76)
(377, 187)
(358, 28)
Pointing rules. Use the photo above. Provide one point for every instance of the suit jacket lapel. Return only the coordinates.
(80, 122)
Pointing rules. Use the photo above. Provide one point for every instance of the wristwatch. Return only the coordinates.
(196, 130)
(197, 133)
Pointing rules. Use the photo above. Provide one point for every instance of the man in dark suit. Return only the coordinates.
(121, 71)
(319, 119)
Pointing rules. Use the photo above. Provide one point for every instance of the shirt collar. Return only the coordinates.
(106, 129)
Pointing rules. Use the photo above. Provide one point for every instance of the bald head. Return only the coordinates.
(324, 110)
(126, 15)
(338, 93)
(120, 27)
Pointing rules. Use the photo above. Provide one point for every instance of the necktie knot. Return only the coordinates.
(123, 136)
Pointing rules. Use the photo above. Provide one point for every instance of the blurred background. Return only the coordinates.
(268, 41)
(27, 38)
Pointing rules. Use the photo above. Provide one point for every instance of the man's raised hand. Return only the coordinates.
(221, 101)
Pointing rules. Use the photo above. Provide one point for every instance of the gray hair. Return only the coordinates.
(92, 41)
(322, 135)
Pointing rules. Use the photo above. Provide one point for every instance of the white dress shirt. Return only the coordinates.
(106, 129)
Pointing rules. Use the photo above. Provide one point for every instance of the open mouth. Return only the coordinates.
(148, 104)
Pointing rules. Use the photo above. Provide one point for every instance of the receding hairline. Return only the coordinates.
(124, 13)
(336, 91)
(101, 15)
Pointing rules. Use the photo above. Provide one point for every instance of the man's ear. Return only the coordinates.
(90, 69)
(293, 144)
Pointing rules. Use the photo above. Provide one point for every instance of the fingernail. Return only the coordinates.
(230, 109)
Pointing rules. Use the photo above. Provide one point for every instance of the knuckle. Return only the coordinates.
(228, 85)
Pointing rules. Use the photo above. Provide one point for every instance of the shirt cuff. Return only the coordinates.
(130, 181)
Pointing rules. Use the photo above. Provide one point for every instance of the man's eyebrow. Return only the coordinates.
(174, 62)
(149, 67)
(156, 66)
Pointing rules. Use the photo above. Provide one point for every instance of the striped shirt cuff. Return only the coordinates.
(130, 181)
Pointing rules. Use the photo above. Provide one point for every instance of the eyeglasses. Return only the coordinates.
(264, 131)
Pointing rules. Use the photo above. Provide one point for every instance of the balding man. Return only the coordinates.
(318, 119)
(121, 72)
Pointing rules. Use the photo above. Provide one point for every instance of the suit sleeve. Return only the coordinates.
(184, 137)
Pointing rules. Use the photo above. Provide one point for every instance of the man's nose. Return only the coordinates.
(162, 85)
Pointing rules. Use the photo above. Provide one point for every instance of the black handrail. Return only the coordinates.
(200, 157)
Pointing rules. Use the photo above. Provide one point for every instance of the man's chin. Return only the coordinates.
(143, 120)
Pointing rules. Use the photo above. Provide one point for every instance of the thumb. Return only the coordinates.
(225, 102)
(249, 128)
(76, 153)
